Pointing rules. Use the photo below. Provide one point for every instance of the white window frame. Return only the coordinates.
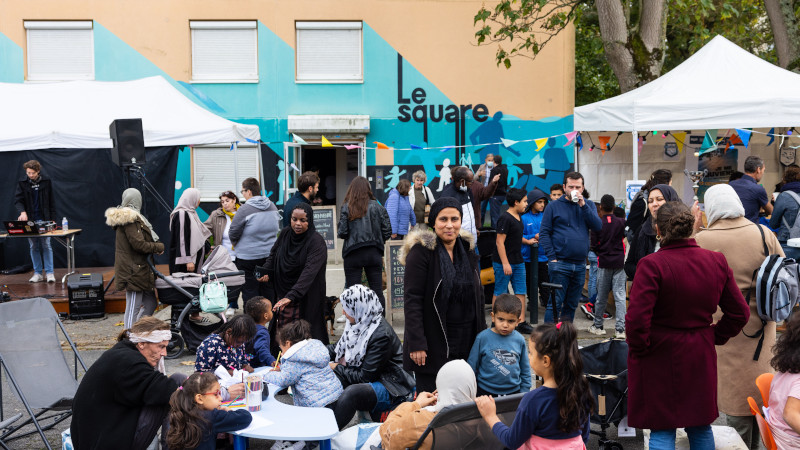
(199, 26)
(247, 154)
(302, 78)
(34, 25)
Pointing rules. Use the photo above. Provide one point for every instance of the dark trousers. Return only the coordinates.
(496, 208)
(370, 261)
(151, 418)
(356, 397)
(251, 286)
(426, 382)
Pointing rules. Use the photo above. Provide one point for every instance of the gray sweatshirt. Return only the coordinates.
(254, 228)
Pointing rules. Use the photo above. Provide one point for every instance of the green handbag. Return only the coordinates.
(213, 295)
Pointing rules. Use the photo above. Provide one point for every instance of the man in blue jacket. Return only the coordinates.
(564, 238)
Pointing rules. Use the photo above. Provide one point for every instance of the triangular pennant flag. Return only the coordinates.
(415, 147)
(381, 145)
(252, 141)
(446, 149)
(602, 150)
(232, 144)
(571, 136)
(640, 145)
(735, 139)
(351, 146)
(744, 136)
(709, 142)
(771, 135)
(508, 142)
(603, 142)
(680, 138)
(326, 142)
(579, 140)
(540, 143)
(299, 140)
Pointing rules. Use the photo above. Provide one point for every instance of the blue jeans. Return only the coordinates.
(41, 247)
(570, 277)
(484, 205)
(700, 438)
(495, 208)
(610, 280)
(791, 252)
(592, 287)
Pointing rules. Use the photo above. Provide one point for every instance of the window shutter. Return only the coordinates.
(329, 51)
(212, 170)
(224, 51)
(60, 51)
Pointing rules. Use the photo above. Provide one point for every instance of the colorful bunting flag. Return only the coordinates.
(579, 141)
(540, 143)
(744, 136)
(771, 135)
(351, 146)
(571, 136)
(326, 142)
(680, 138)
(299, 140)
(381, 145)
(415, 147)
(446, 149)
(295, 168)
(603, 142)
(640, 145)
(709, 142)
(735, 139)
(508, 142)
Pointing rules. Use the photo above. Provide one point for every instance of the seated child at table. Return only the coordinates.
(197, 415)
(226, 347)
(499, 355)
(784, 391)
(305, 365)
(260, 309)
(555, 415)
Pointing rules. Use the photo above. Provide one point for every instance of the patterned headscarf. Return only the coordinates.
(361, 303)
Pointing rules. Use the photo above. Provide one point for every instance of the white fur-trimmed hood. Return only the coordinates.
(428, 240)
(117, 217)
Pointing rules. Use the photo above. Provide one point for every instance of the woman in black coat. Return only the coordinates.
(443, 294)
(296, 265)
(368, 359)
(646, 240)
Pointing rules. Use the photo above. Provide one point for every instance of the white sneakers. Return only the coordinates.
(597, 331)
(229, 312)
(37, 277)
(620, 335)
(51, 278)
(341, 319)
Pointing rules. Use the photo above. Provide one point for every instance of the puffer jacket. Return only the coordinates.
(401, 214)
(134, 244)
(371, 230)
(383, 362)
(306, 367)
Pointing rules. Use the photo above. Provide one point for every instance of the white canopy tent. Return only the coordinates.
(720, 86)
(77, 114)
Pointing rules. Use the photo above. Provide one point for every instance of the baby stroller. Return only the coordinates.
(182, 292)
(605, 365)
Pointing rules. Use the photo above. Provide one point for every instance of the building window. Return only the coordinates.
(329, 52)
(60, 50)
(213, 169)
(224, 52)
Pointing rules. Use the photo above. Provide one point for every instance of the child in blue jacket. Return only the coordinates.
(260, 309)
(531, 224)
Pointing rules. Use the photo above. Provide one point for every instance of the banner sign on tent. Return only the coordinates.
(632, 187)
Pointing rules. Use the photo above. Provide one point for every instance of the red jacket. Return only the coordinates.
(672, 363)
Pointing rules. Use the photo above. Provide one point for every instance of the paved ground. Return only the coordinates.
(95, 336)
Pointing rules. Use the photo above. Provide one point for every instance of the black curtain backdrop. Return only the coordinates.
(85, 183)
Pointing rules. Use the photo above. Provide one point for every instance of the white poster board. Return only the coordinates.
(632, 187)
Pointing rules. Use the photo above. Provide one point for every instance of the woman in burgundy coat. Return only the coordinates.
(672, 363)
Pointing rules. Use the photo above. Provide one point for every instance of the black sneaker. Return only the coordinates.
(525, 328)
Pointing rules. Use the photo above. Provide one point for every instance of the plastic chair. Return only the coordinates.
(35, 365)
(763, 382)
(763, 426)
(461, 426)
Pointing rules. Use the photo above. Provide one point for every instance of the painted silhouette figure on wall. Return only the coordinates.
(489, 132)
(392, 178)
(444, 175)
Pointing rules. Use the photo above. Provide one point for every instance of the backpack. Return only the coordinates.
(213, 295)
(794, 230)
(776, 286)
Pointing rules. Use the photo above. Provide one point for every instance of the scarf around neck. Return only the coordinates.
(361, 303)
(670, 195)
(132, 199)
(199, 233)
(457, 269)
(292, 247)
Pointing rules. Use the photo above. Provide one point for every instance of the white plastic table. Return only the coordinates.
(290, 423)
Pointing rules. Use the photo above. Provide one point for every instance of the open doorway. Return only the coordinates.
(336, 167)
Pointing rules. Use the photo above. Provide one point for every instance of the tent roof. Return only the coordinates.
(720, 86)
(77, 114)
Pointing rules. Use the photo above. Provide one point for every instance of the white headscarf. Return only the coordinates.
(362, 304)
(455, 383)
(722, 202)
(199, 233)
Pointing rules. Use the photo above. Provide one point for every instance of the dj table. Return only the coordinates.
(65, 238)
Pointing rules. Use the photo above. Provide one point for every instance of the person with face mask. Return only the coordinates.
(459, 189)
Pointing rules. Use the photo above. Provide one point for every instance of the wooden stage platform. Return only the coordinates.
(19, 287)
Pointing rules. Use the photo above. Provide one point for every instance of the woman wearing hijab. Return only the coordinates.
(443, 294)
(136, 240)
(672, 363)
(455, 384)
(367, 359)
(296, 265)
(189, 244)
(740, 240)
(646, 241)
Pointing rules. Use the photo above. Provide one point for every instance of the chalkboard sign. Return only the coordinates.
(325, 223)
(395, 274)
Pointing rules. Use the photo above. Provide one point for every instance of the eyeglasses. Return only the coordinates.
(244, 190)
(215, 393)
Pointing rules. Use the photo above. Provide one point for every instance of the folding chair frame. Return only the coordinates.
(57, 417)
